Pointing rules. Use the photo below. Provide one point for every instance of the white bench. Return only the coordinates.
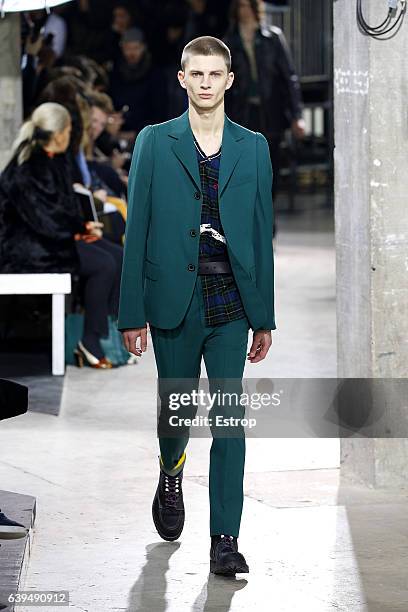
(57, 285)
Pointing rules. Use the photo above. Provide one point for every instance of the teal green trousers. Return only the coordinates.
(178, 353)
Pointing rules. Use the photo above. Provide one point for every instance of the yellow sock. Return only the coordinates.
(178, 464)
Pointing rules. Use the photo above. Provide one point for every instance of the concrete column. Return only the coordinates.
(371, 220)
(10, 84)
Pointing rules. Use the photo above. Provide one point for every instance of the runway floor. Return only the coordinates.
(312, 542)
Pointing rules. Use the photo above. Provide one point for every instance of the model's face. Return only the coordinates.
(206, 79)
(99, 119)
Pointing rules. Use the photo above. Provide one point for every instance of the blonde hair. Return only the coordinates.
(47, 119)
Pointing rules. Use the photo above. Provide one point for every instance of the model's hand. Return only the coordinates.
(261, 343)
(130, 337)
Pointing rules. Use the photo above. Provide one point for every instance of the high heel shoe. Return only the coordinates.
(83, 356)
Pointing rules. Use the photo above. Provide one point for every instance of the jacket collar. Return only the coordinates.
(184, 149)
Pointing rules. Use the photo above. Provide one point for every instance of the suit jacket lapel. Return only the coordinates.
(230, 154)
(184, 149)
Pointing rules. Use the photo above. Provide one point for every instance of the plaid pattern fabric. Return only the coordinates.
(221, 295)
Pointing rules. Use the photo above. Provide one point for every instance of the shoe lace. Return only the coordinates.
(171, 490)
(228, 542)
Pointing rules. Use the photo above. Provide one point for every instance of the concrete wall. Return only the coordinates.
(371, 215)
(10, 84)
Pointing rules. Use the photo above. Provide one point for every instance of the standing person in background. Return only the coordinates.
(56, 25)
(125, 15)
(137, 84)
(173, 43)
(122, 18)
(266, 96)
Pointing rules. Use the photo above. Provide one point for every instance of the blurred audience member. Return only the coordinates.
(103, 171)
(104, 120)
(69, 91)
(38, 58)
(265, 96)
(52, 27)
(43, 230)
(31, 72)
(137, 84)
(172, 46)
(122, 18)
(90, 72)
(57, 27)
(206, 18)
(40, 211)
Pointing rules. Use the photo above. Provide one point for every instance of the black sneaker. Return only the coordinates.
(168, 507)
(225, 558)
(11, 530)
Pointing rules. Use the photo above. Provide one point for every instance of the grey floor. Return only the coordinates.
(312, 541)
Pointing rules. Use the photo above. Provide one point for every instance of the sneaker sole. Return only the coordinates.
(229, 570)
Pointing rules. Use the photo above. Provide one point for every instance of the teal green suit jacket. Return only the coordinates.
(164, 205)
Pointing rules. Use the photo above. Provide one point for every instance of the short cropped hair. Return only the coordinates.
(206, 45)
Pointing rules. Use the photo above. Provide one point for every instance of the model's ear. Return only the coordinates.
(230, 80)
(180, 76)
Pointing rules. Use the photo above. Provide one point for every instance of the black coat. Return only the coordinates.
(279, 88)
(39, 215)
(144, 92)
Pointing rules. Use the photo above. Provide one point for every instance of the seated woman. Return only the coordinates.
(42, 229)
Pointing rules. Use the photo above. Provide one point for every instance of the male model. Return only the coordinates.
(198, 267)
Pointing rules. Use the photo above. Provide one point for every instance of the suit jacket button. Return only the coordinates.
(193, 233)
(191, 267)
(197, 195)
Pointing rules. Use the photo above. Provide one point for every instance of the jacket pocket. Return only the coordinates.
(151, 270)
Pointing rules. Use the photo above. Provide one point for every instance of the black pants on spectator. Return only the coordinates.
(100, 271)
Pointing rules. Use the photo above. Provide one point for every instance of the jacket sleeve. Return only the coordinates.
(289, 76)
(131, 304)
(263, 228)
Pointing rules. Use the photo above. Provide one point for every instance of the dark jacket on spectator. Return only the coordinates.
(143, 89)
(39, 215)
(278, 84)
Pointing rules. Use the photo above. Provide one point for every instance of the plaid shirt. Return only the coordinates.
(221, 296)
